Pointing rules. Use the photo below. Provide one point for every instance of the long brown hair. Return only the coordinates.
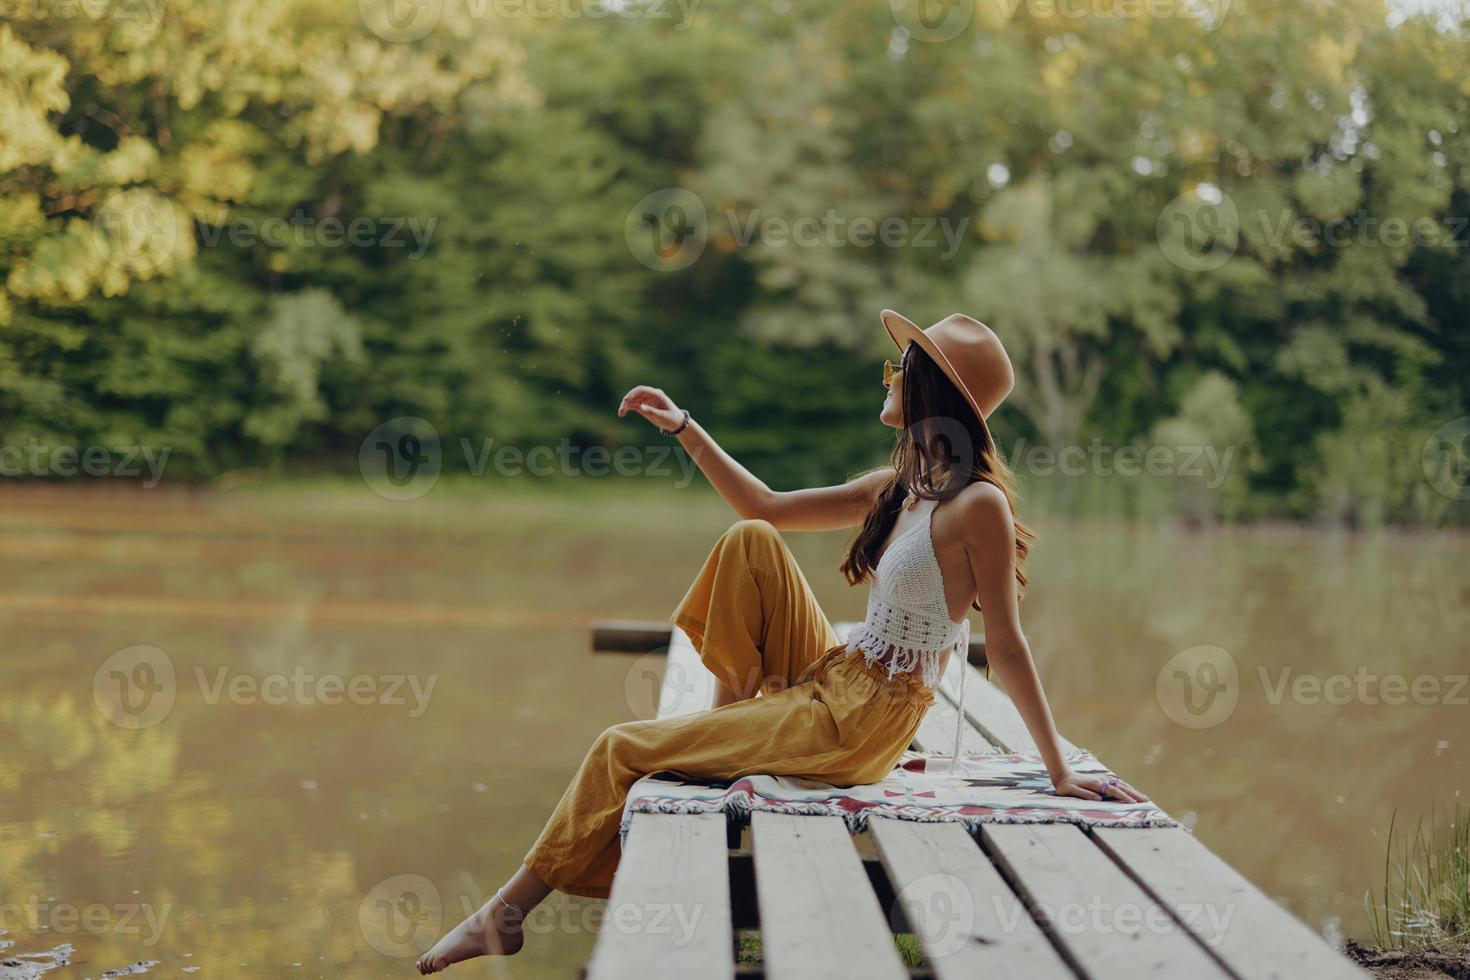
(935, 457)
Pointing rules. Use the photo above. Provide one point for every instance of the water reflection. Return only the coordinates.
(349, 717)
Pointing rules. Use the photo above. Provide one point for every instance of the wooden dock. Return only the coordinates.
(1023, 900)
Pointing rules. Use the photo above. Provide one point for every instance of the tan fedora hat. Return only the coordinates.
(967, 351)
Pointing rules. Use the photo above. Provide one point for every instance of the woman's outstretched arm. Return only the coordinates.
(990, 541)
(810, 509)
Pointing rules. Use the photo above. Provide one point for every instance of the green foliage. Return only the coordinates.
(1066, 167)
(1214, 428)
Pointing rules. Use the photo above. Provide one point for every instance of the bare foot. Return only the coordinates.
(494, 930)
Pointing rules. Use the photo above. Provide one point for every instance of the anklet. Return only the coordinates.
(508, 904)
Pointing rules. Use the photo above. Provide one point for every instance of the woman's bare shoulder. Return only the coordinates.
(985, 511)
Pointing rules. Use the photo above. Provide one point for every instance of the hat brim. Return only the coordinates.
(904, 331)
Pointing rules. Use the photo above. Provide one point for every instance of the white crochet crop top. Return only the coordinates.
(908, 626)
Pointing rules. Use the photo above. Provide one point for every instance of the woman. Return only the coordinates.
(937, 537)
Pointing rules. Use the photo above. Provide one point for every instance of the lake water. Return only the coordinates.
(292, 733)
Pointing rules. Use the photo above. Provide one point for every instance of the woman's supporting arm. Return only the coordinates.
(990, 542)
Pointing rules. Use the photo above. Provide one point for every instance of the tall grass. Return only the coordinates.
(1426, 885)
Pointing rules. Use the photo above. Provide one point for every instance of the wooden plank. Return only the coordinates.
(820, 919)
(936, 731)
(688, 686)
(742, 883)
(1102, 921)
(1222, 909)
(1252, 934)
(968, 921)
(669, 911)
(629, 635)
(991, 711)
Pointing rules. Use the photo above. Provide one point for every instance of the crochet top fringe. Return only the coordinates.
(907, 627)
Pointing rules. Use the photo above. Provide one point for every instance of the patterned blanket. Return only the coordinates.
(993, 788)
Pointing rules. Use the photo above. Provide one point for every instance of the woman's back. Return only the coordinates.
(907, 627)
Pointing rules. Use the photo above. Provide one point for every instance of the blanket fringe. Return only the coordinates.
(1075, 754)
(738, 809)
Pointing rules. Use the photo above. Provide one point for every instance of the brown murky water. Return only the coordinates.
(291, 734)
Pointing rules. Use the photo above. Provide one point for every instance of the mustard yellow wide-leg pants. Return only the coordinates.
(823, 713)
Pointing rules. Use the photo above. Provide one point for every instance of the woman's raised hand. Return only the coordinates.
(655, 406)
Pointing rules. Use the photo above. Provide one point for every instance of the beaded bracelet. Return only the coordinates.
(682, 426)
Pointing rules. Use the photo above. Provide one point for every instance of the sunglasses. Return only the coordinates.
(889, 370)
